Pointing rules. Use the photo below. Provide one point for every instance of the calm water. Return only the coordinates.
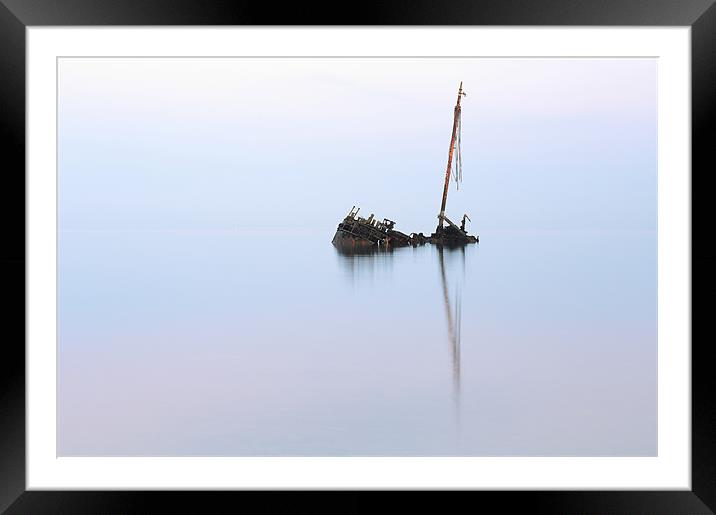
(275, 344)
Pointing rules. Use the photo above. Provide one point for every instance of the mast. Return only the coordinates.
(456, 121)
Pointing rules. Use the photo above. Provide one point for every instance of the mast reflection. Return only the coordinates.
(454, 322)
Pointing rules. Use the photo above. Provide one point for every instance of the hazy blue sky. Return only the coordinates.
(549, 144)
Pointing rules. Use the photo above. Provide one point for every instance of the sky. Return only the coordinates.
(232, 143)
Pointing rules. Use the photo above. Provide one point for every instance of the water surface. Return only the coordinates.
(273, 343)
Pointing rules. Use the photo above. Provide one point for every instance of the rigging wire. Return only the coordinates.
(459, 146)
(457, 169)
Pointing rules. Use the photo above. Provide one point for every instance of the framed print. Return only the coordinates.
(424, 252)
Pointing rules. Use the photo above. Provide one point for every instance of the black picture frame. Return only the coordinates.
(16, 15)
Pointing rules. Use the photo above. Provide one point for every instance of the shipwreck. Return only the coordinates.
(356, 232)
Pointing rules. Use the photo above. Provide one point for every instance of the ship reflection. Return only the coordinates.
(362, 262)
